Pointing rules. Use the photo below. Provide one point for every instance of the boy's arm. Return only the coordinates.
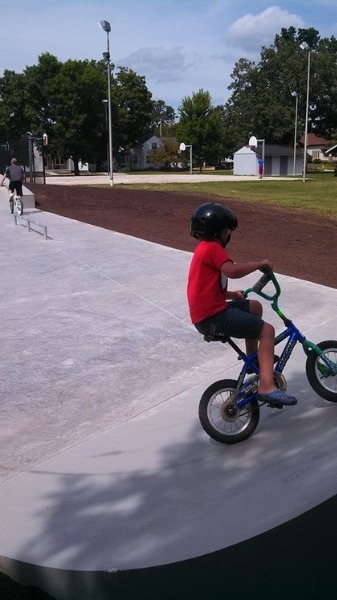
(3, 178)
(237, 270)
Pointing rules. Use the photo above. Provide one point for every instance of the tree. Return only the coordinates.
(13, 101)
(201, 126)
(39, 85)
(64, 100)
(163, 117)
(261, 102)
(60, 99)
(77, 93)
(133, 109)
(166, 154)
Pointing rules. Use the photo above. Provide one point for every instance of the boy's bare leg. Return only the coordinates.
(255, 308)
(266, 359)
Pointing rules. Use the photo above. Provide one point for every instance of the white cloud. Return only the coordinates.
(159, 64)
(251, 32)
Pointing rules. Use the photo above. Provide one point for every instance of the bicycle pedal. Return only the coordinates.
(278, 405)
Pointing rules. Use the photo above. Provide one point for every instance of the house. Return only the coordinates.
(139, 155)
(278, 160)
(316, 146)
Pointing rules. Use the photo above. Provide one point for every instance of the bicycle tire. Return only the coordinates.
(19, 205)
(11, 205)
(220, 417)
(321, 380)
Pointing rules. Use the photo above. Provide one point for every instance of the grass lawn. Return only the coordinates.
(317, 195)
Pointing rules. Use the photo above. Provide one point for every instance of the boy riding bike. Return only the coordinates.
(207, 293)
(16, 176)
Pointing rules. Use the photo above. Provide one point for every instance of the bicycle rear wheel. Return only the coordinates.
(11, 204)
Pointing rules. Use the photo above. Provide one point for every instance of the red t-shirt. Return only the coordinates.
(207, 286)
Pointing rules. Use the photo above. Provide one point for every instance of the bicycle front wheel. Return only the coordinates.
(220, 416)
(19, 205)
(321, 378)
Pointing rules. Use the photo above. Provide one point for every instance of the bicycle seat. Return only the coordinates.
(216, 338)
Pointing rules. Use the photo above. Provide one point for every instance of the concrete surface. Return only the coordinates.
(28, 196)
(128, 178)
(104, 464)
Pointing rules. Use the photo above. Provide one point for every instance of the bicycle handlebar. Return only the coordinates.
(269, 275)
(261, 283)
(265, 268)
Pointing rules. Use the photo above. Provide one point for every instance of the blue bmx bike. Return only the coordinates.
(229, 410)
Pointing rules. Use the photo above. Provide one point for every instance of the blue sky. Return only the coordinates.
(180, 46)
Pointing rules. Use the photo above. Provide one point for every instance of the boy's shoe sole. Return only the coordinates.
(277, 397)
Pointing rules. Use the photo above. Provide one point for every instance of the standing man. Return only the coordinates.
(16, 176)
(260, 163)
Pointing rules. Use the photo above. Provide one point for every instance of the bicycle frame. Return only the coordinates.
(246, 390)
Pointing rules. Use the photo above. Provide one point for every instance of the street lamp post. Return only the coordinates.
(30, 154)
(183, 147)
(105, 103)
(305, 46)
(106, 27)
(295, 95)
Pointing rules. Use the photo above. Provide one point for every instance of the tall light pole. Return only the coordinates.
(105, 103)
(305, 46)
(295, 95)
(183, 147)
(106, 27)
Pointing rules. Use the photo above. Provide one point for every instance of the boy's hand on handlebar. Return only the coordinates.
(266, 266)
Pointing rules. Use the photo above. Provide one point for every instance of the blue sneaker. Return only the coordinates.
(277, 397)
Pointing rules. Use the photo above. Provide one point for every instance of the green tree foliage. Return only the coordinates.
(64, 100)
(133, 108)
(39, 85)
(261, 102)
(167, 154)
(163, 118)
(13, 120)
(77, 91)
(201, 125)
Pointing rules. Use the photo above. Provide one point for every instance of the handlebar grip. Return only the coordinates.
(265, 268)
(259, 285)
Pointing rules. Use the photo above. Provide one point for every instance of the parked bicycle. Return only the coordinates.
(229, 411)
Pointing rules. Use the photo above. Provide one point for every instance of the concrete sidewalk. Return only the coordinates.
(104, 464)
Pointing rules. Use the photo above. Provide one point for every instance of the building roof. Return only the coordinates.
(277, 150)
(314, 140)
(271, 150)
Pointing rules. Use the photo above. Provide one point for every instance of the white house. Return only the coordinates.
(139, 155)
(317, 147)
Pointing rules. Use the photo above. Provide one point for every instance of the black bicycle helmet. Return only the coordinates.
(209, 219)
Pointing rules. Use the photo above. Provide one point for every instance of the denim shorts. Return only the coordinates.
(236, 321)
